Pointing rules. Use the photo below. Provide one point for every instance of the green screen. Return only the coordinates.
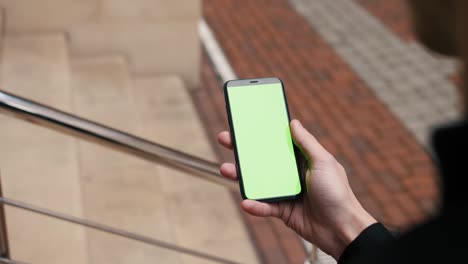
(263, 140)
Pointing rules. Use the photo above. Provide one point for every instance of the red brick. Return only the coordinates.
(391, 181)
(294, 250)
(394, 14)
(421, 187)
(395, 216)
(430, 206)
(275, 257)
(370, 204)
(380, 193)
(357, 185)
(413, 210)
(374, 161)
(290, 242)
(268, 243)
(397, 167)
(364, 173)
(424, 170)
(270, 38)
(328, 144)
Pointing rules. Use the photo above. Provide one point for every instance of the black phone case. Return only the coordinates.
(297, 152)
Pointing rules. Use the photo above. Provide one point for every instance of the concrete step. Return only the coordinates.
(157, 36)
(202, 215)
(151, 10)
(39, 166)
(61, 15)
(162, 48)
(118, 189)
(47, 15)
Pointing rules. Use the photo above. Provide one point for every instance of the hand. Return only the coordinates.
(328, 215)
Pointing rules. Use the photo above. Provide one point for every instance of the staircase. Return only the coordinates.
(156, 36)
(87, 57)
(38, 165)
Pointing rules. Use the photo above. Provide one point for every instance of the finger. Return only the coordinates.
(228, 170)
(257, 208)
(307, 142)
(224, 138)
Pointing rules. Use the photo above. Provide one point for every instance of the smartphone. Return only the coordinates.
(266, 157)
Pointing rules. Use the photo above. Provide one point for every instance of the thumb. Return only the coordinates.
(306, 142)
(260, 209)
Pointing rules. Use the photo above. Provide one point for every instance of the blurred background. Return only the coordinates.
(353, 72)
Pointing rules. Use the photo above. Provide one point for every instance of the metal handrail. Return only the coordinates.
(112, 230)
(11, 261)
(70, 124)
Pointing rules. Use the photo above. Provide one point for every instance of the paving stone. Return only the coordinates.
(392, 59)
(329, 46)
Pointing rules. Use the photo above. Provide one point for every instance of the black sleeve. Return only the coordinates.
(371, 240)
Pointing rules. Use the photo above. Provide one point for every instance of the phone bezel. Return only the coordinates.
(250, 82)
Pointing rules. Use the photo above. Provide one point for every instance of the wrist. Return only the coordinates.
(357, 220)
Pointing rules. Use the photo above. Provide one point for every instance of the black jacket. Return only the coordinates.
(443, 239)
